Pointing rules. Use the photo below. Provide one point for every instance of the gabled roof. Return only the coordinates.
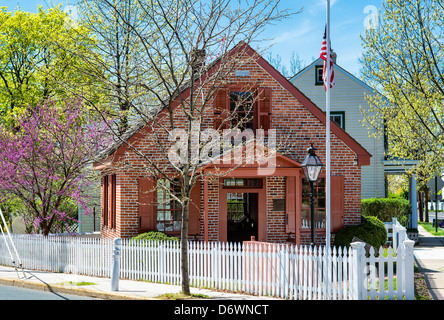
(319, 61)
(280, 160)
(362, 155)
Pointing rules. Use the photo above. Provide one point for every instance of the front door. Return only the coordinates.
(242, 216)
(242, 209)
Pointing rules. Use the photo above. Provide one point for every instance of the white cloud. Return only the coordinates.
(293, 34)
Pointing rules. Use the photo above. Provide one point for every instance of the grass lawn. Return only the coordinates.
(430, 228)
(81, 283)
(181, 296)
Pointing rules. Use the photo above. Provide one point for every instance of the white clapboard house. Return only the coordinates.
(347, 97)
(347, 100)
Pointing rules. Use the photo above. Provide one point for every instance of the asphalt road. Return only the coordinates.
(19, 293)
(432, 215)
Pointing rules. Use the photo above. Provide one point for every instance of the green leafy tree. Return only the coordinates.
(118, 53)
(404, 60)
(38, 53)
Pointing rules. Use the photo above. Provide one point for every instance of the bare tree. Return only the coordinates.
(116, 63)
(184, 52)
(296, 64)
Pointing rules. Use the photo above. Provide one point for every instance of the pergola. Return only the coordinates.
(400, 166)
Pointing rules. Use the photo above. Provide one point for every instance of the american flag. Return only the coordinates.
(324, 57)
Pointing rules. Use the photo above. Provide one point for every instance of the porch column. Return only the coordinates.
(414, 216)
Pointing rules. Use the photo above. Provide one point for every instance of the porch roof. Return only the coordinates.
(270, 163)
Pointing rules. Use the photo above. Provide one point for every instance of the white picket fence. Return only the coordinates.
(89, 256)
(280, 270)
(396, 233)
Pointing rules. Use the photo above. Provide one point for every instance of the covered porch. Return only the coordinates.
(254, 199)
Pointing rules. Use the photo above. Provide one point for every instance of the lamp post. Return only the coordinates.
(312, 167)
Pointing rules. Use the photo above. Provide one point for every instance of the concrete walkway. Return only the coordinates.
(429, 257)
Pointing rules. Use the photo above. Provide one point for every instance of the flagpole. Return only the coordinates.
(327, 111)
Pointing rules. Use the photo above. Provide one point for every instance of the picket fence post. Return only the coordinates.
(116, 265)
(357, 270)
(395, 236)
(408, 273)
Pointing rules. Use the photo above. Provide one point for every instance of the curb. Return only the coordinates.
(70, 290)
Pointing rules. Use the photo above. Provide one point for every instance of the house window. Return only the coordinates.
(338, 117)
(244, 183)
(109, 201)
(319, 204)
(242, 110)
(235, 206)
(318, 75)
(169, 210)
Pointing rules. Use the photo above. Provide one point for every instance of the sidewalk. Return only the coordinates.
(429, 257)
(101, 289)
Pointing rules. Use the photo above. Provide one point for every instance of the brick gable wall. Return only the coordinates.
(295, 125)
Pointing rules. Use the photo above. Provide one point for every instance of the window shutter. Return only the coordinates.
(337, 203)
(147, 204)
(113, 201)
(221, 108)
(290, 204)
(105, 199)
(194, 213)
(263, 112)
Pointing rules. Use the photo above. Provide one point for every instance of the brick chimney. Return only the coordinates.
(198, 57)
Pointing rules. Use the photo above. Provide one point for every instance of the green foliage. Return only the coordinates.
(401, 194)
(39, 59)
(403, 59)
(398, 185)
(155, 235)
(385, 209)
(371, 230)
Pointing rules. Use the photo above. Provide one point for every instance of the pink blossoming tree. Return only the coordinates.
(44, 160)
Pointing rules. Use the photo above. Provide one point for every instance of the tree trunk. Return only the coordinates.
(421, 205)
(426, 203)
(184, 248)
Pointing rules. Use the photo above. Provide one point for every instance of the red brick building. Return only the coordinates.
(273, 206)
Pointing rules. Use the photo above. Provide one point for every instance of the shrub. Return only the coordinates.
(155, 235)
(385, 209)
(371, 230)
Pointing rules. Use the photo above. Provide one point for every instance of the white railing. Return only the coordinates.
(306, 223)
(396, 233)
(281, 270)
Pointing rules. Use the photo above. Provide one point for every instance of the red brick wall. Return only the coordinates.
(213, 211)
(295, 125)
(275, 219)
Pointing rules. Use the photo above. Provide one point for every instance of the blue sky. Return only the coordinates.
(303, 32)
